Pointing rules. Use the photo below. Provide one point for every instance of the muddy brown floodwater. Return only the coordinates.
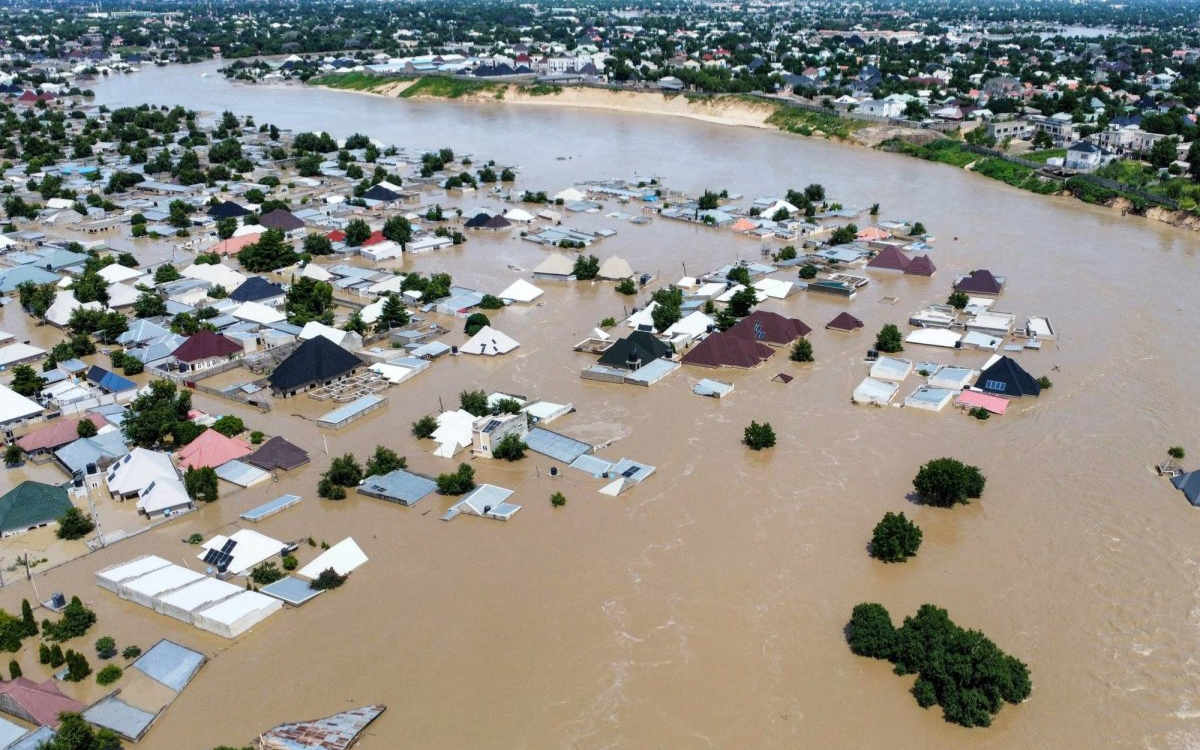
(704, 608)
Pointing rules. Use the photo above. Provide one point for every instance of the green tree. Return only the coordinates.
(844, 235)
(1193, 159)
(27, 620)
(91, 287)
(26, 381)
(664, 315)
(327, 579)
(815, 192)
(895, 538)
(12, 454)
(264, 574)
(398, 230)
(808, 272)
(308, 300)
(75, 621)
(229, 426)
(179, 214)
(166, 273)
(889, 340)
(149, 305)
(36, 299)
(393, 314)
(355, 323)
(109, 674)
(317, 244)
(871, 632)
(1163, 153)
(106, 647)
(271, 252)
(85, 428)
(474, 402)
(131, 652)
(587, 267)
(160, 414)
(958, 299)
(226, 227)
(476, 322)
(709, 201)
(491, 302)
(945, 482)
(510, 448)
(742, 302)
(357, 232)
(74, 524)
(14, 669)
(201, 483)
(424, 427)
(802, 351)
(74, 733)
(345, 471)
(458, 482)
(384, 461)
(759, 436)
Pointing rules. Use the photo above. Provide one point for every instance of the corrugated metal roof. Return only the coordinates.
(336, 732)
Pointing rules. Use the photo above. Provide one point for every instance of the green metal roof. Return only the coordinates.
(30, 504)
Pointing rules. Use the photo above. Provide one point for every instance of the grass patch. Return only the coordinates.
(1041, 157)
(442, 87)
(541, 89)
(943, 151)
(355, 81)
(950, 151)
(807, 122)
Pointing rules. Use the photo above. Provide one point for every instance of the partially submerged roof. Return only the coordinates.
(1007, 378)
(399, 486)
(57, 433)
(278, 453)
(337, 732)
(42, 702)
(344, 558)
(555, 445)
(723, 350)
(769, 328)
(490, 342)
(317, 359)
(638, 348)
(844, 322)
(979, 282)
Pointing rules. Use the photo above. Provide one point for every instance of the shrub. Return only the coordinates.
(43, 653)
(74, 524)
(945, 482)
(895, 538)
(889, 339)
(510, 448)
(980, 413)
(330, 491)
(229, 426)
(256, 437)
(106, 647)
(1045, 383)
(808, 272)
(558, 500)
(201, 484)
(1176, 452)
(424, 427)
(109, 675)
(195, 538)
(290, 562)
(328, 579)
(475, 323)
(458, 482)
(802, 351)
(131, 652)
(608, 322)
(57, 659)
(490, 302)
(958, 299)
(626, 287)
(759, 436)
(266, 573)
(14, 669)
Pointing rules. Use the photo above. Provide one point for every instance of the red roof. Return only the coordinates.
(375, 238)
(42, 703)
(769, 328)
(889, 259)
(979, 282)
(211, 449)
(723, 350)
(336, 235)
(921, 265)
(844, 322)
(57, 434)
(206, 345)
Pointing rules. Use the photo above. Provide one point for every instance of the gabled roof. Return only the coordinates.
(109, 381)
(317, 359)
(206, 344)
(723, 350)
(642, 344)
(1189, 485)
(42, 702)
(281, 219)
(31, 503)
(844, 322)
(256, 288)
(57, 434)
(380, 193)
(489, 341)
(769, 328)
(137, 469)
(1009, 379)
(979, 282)
(278, 453)
(14, 406)
(212, 449)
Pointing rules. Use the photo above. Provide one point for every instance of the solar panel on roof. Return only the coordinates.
(491, 425)
(210, 557)
(229, 545)
(628, 473)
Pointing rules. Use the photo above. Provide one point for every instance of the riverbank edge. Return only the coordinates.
(722, 109)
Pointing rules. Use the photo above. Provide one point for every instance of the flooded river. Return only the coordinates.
(704, 608)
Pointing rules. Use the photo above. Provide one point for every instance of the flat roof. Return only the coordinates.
(10, 732)
(163, 579)
(132, 569)
(593, 465)
(555, 445)
(291, 590)
(358, 405)
(259, 512)
(200, 593)
(634, 471)
(170, 664)
(233, 609)
(117, 715)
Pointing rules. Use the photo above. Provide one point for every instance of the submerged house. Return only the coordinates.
(635, 350)
(770, 328)
(724, 350)
(1008, 379)
(1189, 485)
(317, 361)
(980, 282)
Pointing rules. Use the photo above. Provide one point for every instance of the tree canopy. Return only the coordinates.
(946, 482)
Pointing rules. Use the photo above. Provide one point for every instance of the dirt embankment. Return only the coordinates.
(1181, 219)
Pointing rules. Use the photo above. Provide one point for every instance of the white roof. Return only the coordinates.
(775, 288)
(137, 469)
(115, 272)
(872, 391)
(14, 406)
(235, 608)
(519, 214)
(615, 268)
(65, 304)
(759, 295)
(710, 289)
(18, 352)
(371, 312)
(694, 324)
(489, 342)
(199, 594)
(934, 337)
(387, 286)
(556, 264)
(251, 549)
(246, 230)
(257, 312)
(391, 373)
(312, 329)
(313, 271)
(162, 494)
(121, 295)
(454, 429)
(642, 317)
(343, 557)
(164, 579)
(521, 291)
(218, 275)
(132, 569)
(891, 368)
(570, 195)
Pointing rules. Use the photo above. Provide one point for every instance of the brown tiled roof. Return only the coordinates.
(723, 350)
(844, 322)
(770, 328)
(206, 344)
(43, 703)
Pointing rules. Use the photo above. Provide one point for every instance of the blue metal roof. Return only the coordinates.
(399, 486)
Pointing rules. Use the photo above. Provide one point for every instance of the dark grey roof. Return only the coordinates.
(256, 288)
(399, 486)
(278, 453)
(314, 361)
(1007, 378)
(643, 344)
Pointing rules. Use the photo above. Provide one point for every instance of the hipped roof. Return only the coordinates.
(317, 359)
